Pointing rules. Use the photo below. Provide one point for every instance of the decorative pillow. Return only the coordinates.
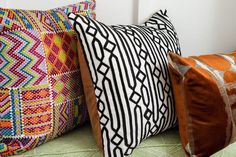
(161, 21)
(41, 94)
(205, 96)
(126, 82)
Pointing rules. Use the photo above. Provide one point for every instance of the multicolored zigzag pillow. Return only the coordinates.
(40, 86)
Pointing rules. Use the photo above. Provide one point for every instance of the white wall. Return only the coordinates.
(3, 4)
(204, 26)
(34, 4)
(108, 11)
(118, 11)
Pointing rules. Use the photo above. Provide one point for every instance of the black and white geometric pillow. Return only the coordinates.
(128, 66)
(161, 21)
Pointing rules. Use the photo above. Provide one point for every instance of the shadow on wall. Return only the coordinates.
(203, 26)
(224, 24)
(108, 11)
(3, 4)
(135, 11)
(117, 11)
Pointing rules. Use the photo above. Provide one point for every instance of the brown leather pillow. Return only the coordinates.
(205, 95)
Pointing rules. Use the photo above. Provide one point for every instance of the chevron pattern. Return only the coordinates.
(65, 120)
(22, 60)
(44, 21)
(15, 145)
(88, 8)
(40, 85)
(68, 115)
(50, 21)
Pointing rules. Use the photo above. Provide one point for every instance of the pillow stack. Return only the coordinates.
(41, 93)
(50, 63)
(126, 80)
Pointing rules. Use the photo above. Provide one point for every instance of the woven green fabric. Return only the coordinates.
(80, 143)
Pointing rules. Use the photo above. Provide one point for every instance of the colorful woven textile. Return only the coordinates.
(41, 95)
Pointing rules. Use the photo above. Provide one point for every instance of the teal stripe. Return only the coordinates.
(16, 107)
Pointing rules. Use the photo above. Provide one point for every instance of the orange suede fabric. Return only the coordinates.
(90, 98)
(205, 97)
(178, 94)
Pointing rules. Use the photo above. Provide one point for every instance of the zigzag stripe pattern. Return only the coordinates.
(52, 20)
(84, 8)
(22, 62)
(40, 66)
(40, 84)
(16, 145)
(45, 21)
(66, 118)
(63, 118)
(4, 78)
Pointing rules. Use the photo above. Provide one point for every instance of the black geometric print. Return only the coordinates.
(128, 66)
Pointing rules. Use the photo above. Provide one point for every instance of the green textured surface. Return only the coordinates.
(80, 143)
